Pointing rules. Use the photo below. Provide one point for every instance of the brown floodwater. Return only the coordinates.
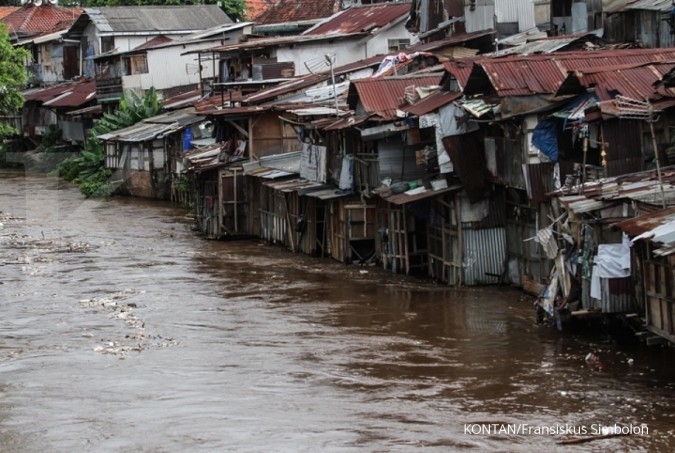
(122, 331)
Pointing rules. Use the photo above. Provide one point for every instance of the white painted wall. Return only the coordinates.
(168, 68)
(506, 11)
(346, 51)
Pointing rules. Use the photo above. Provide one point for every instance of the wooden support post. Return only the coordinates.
(405, 241)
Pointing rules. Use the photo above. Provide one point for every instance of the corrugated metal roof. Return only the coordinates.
(642, 186)
(293, 185)
(140, 132)
(653, 5)
(80, 94)
(383, 96)
(288, 163)
(537, 47)
(264, 43)
(633, 81)
(157, 19)
(292, 11)
(154, 127)
(460, 69)
(543, 74)
(404, 198)
(66, 94)
(432, 102)
(657, 227)
(362, 19)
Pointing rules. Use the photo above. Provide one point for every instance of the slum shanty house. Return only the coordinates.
(651, 23)
(52, 108)
(171, 66)
(117, 31)
(599, 257)
(653, 254)
(40, 29)
(218, 191)
(147, 157)
(275, 118)
(391, 158)
(350, 35)
(516, 100)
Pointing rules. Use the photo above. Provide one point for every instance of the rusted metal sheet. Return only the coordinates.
(657, 227)
(539, 180)
(67, 94)
(362, 19)
(404, 198)
(484, 255)
(432, 102)
(642, 186)
(539, 74)
(617, 296)
(468, 158)
(384, 96)
(643, 224)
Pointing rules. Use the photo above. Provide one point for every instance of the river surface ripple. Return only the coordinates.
(121, 331)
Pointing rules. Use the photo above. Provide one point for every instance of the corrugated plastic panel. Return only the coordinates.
(484, 254)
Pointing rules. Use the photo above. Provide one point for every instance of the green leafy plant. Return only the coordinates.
(88, 169)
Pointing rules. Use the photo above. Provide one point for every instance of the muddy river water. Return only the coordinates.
(122, 331)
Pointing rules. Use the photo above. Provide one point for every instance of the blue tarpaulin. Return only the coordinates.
(544, 138)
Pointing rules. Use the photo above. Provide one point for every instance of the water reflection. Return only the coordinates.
(132, 334)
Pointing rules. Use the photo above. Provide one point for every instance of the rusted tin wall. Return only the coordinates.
(617, 296)
(624, 146)
(522, 222)
(652, 30)
(484, 255)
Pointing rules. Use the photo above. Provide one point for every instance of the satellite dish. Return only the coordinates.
(37, 2)
(53, 2)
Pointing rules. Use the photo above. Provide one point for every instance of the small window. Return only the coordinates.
(135, 64)
(398, 44)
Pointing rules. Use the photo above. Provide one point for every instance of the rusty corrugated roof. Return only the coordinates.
(296, 11)
(633, 81)
(640, 225)
(362, 19)
(76, 96)
(642, 187)
(657, 227)
(383, 96)
(66, 94)
(432, 102)
(543, 74)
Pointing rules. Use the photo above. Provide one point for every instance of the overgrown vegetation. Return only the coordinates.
(87, 169)
(13, 76)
